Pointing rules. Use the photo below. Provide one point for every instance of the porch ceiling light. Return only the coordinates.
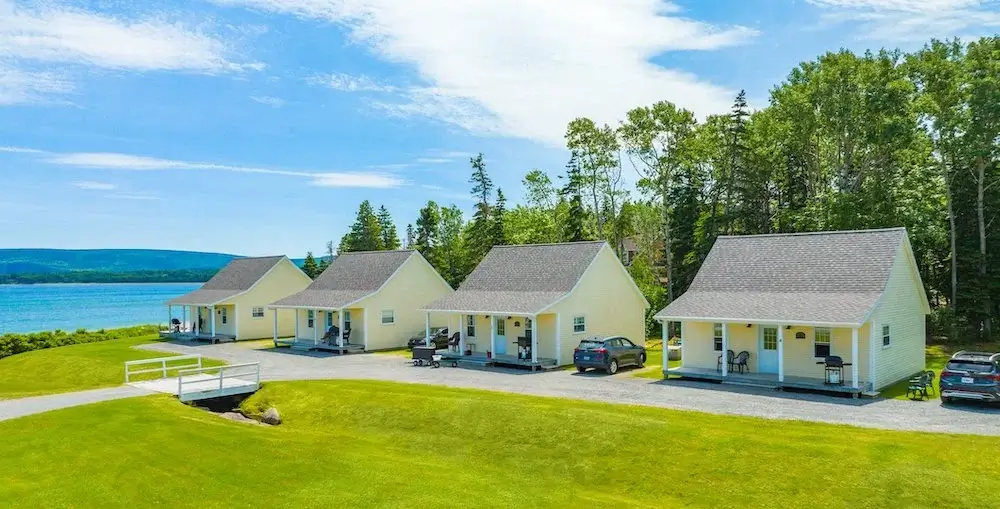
(749, 325)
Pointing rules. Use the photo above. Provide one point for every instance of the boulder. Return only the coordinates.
(271, 416)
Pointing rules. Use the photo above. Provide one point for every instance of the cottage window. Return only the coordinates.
(329, 319)
(886, 337)
(470, 326)
(388, 317)
(579, 324)
(225, 316)
(821, 342)
(347, 319)
(257, 313)
(310, 319)
(717, 336)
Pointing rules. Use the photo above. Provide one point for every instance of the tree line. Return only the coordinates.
(847, 141)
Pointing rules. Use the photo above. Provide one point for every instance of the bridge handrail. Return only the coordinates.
(226, 371)
(163, 368)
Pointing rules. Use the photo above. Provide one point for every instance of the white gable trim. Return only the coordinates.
(907, 257)
(254, 285)
(590, 266)
(390, 278)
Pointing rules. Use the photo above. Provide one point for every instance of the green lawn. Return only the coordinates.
(72, 367)
(375, 444)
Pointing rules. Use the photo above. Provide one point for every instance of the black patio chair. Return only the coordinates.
(918, 386)
(730, 355)
(347, 337)
(740, 363)
(454, 341)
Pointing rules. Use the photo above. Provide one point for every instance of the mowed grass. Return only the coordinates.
(377, 444)
(74, 367)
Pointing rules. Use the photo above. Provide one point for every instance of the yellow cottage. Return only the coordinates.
(530, 305)
(363, 301)
(834, 311)
(232, 305)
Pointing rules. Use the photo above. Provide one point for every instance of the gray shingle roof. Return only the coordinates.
(350, 278)
(235, 278)
(521, 279)
(823, 277)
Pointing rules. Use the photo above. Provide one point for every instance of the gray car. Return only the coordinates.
(971, 376)
(608, 354)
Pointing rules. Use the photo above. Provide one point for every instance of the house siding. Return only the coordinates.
(414, 285)
(607, 298)
(902, 309)
(283, 280)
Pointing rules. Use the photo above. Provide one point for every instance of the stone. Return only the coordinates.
(271, 416)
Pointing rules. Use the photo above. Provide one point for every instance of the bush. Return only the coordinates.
(11, 344)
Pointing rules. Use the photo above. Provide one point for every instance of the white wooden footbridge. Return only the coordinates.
(185, 377)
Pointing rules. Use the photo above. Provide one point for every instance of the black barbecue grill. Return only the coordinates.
(834, 369)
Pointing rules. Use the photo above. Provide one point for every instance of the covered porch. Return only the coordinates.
(199, 321)
(328, 329)
(780, 355)
(501, 339)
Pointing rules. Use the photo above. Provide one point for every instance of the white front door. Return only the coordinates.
(501, 338)
(767, 350)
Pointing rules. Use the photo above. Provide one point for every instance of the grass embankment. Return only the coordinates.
(372, 444)
(74, 367)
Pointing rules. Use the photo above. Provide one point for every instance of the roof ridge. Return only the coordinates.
(376, 251)
(576, 243)
(258, 257)
(822, 232)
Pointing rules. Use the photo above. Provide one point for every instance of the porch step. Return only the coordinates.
(301, 347)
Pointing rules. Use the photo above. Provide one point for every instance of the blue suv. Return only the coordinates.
(971, 376)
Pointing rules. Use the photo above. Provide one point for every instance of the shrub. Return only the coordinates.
(11, 344)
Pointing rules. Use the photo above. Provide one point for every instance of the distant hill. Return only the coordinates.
(47, 261)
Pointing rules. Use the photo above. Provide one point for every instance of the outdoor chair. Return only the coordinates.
(730, 356)
(453, 342)
(740, 363)
(920, 385)
(347, 337)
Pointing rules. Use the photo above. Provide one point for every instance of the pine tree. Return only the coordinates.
(481, 229)
(366, 232)
(328, 259)
(499, 211)
(310, 267)
(410, 237)
(390, 239)
(573, 229)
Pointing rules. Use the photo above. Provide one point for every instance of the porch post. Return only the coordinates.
(296, 324)
(184, 317)
(364, 331)
(340, 320)
(781, 352)
(725, 349)
(197, 322)
(211, 310)
(854, 358)
(493, 335)
(236, 322)
(170, 316)
(461, 334)
(666, 350)
(558, 340)
(315, 326)
(534, 338)
(275, 311)
(427, 328)
(871, 354)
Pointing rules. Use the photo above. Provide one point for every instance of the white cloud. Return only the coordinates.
(53, 33)
(433, 160)
(20, 150)
(95, 186)
(912, 20)
(350, 83)
(274, 102)
(527, 71)
(134, 196)
(25, 87)
(117, 161)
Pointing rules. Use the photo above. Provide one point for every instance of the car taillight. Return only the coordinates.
(995, 378)
(945, 373)
(601, 350)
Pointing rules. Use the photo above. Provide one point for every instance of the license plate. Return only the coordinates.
(968, 380)
(586, 357)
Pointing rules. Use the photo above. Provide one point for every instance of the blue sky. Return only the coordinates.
(257, 126)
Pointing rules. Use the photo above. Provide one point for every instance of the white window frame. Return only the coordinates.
(225, 316)
(470, 326)
(584, 329)
(717, 336)
(392, 317)
(829, 340)
(347, 319)
(329, 319)
(529, 328)
(254, 313)
(310, 318)
(886, 335)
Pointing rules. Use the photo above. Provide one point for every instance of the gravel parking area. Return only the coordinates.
(284, 364)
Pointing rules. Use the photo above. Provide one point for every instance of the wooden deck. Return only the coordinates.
(191, 336)
(480, 360)
(769, 380)
(304, 344)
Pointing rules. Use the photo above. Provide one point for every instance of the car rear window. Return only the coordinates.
(971, 366)
(591, 344)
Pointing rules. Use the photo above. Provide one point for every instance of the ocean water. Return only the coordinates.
(31, 308)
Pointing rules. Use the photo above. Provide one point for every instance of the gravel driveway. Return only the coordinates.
(284, 364)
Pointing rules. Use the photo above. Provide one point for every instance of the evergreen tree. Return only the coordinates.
(328, 259)
(410, 236)
(310, 267)
(499, 215)
(481, 229)
(573, 228)
(366, 232)
(390, 239)
(426, 236)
